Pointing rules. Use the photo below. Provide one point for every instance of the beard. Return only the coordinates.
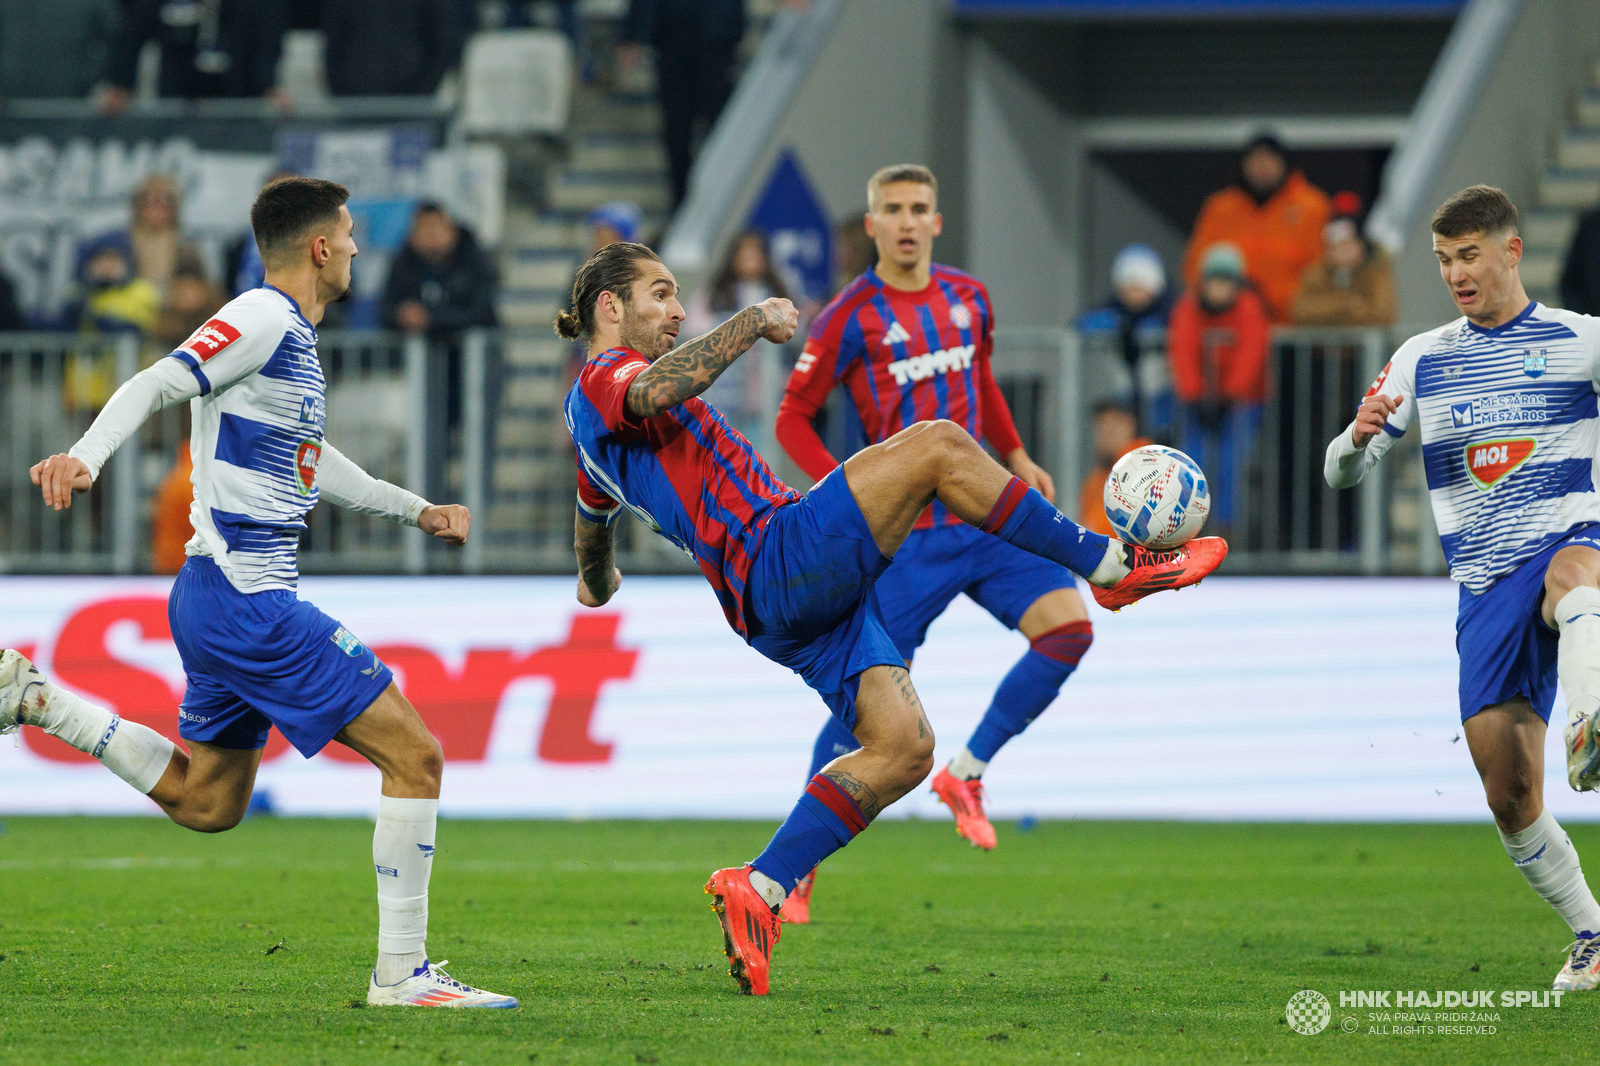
(652, 342)
(344, 296)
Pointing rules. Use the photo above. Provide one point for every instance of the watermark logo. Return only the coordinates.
(1309, 1012)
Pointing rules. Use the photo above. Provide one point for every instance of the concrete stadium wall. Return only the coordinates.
(1527, 99)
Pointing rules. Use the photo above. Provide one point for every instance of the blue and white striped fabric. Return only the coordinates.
(257, 438)
(1509, 433)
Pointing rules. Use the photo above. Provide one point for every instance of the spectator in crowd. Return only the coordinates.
(209, 48)
(156, 236)
(440, 281)
(1353, 283)
(169, 514)
(192, 299)
(113, 298)
(618, 220)
(1217, 348)
(390, 47)
(56, 49)
(1275, 218)
(695, 43)
(1137, 308)
(1116, 433)
(1580, 274)
(748, 391)
(854, 253)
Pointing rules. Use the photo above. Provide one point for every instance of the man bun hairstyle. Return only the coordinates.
(613, 268)
(897, 172)
(1475, 209)
(286, 209)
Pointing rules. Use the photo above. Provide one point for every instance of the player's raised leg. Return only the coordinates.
(1507, 745)
(895, 756)
(138, 754)
(893, 482)
(1572, 608)
(393, 738)
(1059, 633)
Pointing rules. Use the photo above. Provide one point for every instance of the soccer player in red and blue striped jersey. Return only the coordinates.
(911, 340)
(794, 573)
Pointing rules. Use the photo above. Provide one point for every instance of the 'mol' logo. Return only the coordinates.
(1491, 460)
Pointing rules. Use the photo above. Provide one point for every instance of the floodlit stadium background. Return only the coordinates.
(1314, 680)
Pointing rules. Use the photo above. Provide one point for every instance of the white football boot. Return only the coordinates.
(430, 986)
(1582, 971)
(1583, 751)
(17, 676)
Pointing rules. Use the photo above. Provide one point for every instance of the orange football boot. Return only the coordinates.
(796, 909)
(749, 928)
(965, 800)
(1153, 571)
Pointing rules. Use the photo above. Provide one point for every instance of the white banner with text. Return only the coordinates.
(1249, 699)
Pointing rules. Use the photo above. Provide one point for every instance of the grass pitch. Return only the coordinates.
(132, 941)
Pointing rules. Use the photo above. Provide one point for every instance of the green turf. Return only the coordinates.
(131, 941)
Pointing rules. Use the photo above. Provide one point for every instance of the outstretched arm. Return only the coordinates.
(598, 576)
(161, 385)
(340, 481)
(692, 368)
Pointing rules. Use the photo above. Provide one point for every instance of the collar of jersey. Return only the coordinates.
(293, 304)
(1502, 327)
(890, 290)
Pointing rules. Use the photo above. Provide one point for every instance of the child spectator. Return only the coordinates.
(1116, 433)
(169, 515)
(752, 385)
(1275, 218)
(1353, 283)
(1217, 347)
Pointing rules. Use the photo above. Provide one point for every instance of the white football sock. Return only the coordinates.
(1578, 653)
(770, 890)
(1113, 568)
(136, 753)
(402, 851)
(1550, 863)
(967, 766)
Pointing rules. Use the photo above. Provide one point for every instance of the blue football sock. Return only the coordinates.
(1030, 687)
(1028, 520)
(834, 740)
(825, 820)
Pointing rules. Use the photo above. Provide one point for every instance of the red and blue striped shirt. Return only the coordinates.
(904, 357)
(686, 473)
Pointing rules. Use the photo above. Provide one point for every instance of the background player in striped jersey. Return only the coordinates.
(1505, 401)
(909, 340)
(254, 654)
(794, 574)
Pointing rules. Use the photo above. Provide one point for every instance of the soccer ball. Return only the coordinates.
(1157, 497)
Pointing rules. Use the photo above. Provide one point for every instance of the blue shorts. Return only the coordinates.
(810, 601)
(1506, 649)
(265, 659)
(936, 565)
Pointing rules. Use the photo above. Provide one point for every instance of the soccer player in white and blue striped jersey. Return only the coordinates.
(1504, 399)
(254, 654)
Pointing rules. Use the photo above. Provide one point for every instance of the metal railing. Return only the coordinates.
(477, 419)
(1287, 519)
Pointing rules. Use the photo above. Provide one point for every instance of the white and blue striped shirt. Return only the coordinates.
(1510, 434)
(257, 439)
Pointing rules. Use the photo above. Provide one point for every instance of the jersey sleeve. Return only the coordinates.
(998, 426)
(594, 504)
(232, 346)
(606, 387)
(1346, 464)
(814, 375)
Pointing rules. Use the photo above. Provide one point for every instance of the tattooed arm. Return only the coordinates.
(689, 370)
(598, 576)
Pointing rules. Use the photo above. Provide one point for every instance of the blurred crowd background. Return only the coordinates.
(1201, 226)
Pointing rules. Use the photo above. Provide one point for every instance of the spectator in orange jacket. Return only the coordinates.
(1217, 346)
(169, 515)
(1275, 217)
(1353, 283)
